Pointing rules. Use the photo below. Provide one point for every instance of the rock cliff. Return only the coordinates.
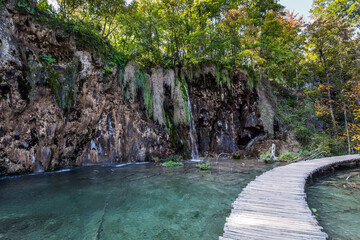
(62, 105)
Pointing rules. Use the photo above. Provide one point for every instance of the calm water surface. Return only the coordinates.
(337, 201)
(129, 202)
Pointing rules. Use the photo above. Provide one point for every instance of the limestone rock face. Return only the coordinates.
(227, 119)
(82, 119)
(73, 113)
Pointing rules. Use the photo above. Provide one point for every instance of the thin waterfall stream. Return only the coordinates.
(192, 132)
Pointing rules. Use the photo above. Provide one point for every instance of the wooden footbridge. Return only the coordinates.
(274, 206)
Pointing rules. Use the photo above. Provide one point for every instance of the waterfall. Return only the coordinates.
(192, 131)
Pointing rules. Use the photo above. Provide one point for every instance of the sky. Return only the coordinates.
(300, 6)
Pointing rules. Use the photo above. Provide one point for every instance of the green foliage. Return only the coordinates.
(313, 65)
(22, 4)
(53, 81)
(86, 34)
(183, 87)
(168, 63)
(116, 59)
(331, 145)
(25, 5)
(107, 70)
(63, 86)
(178, 33)
(172, 158)
(287, 157)
(172, 164)
(147, 94)
(303, 153)
(45, 7)
(175, 158)
(48, 59)
(204, 166)
(267, 157)
(2, 5)
(299, 118)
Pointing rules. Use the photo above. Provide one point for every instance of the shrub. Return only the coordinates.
(289, 156)
(2, 4)
(204, 166)
(107, 70)
(25, 5)
(331, 145)
(175, 158)
(172, 164)
(48, 59)
(266, 157)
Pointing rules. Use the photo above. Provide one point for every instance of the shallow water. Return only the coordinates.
(128, 202)
(337, 203)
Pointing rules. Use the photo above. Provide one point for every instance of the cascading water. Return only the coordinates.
(192, 132)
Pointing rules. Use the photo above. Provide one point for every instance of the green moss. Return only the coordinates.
(226, 78)
(218, 78)
(2, 6)
(141, 82)
(53, 81)
(250, 83)
(252, 76)
(63, 88)
(222, 77)
(121, 77)
(69, 85)
(174, 136)
(183, 87)
(189, 74)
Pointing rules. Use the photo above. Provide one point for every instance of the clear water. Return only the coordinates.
(337, 202)
(129, 202)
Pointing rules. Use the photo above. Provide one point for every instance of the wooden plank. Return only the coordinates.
(274, 206)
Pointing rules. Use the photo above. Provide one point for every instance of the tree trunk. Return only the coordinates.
(347, 130)
(328, 91)
(344, 103)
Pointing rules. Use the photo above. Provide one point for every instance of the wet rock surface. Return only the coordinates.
(227, 118)
(72, 112)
